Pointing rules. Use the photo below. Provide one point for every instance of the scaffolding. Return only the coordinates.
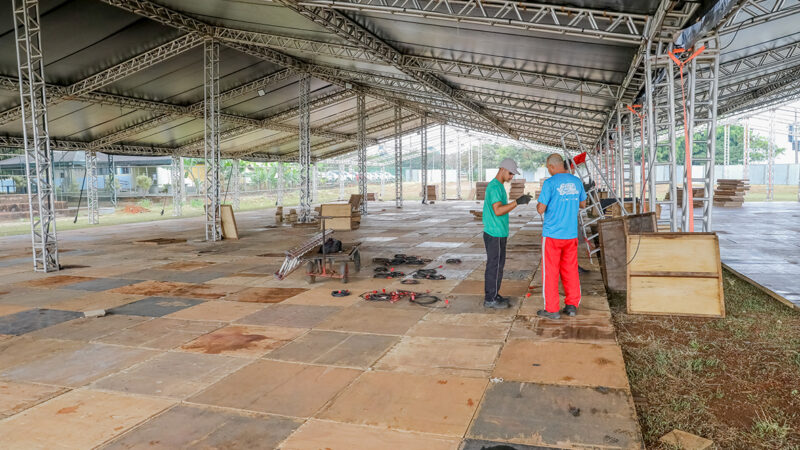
(443, 151)
(398, 157)
(36, 136)
(305, 151)
(362, 151)
(281, 184)
(211, 133)
(235, 183)
(458, 166)
(176, 175)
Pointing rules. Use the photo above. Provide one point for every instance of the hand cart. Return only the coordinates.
(324, 264)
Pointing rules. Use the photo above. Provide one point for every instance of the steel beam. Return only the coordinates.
(558, 19)
(304, 151)
(92, 202)
(362, 152)
(38, 155)
(211, 135)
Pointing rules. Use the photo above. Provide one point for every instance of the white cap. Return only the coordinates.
(509, 165)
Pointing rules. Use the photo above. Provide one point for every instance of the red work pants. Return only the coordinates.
(560, 257)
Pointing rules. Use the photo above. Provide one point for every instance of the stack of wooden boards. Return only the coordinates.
(339, 216)
(696, 192)
(480, 190)
(730, 192)
(478, 215)
(431, 192)
(517, 189)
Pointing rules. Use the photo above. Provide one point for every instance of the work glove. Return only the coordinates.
(524, 200)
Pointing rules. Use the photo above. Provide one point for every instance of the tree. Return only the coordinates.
(759, 146)
(144, 182)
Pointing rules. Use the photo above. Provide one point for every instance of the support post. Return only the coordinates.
(383, 170)
(726, 150)
(92, 202)
(281, 184)
(771, 158)
(211, 134)
(176, 175)
(746, 150)
(398, 157)
(423, 156)
(235, 183)
(444, 161)
(470, 166)
(341, 180)
(481, 174)
(361, 137)
(314, 184)
(305, 151)
(38, 155)
(112, 182)
(458, 165)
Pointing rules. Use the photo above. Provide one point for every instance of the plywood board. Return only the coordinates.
(229, 229)
(614, 254)
(341, 213)
(675, 273)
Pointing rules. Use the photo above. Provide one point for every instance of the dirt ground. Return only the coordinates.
(734, 380)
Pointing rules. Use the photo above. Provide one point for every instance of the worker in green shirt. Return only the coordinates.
(495, 231)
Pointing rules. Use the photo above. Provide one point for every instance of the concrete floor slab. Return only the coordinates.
(75, 368)
(185, 266)
(94, 301)
(462, 326)
(34, 319)
(565, 363)
(245, 341)
(217, 311)
(473, 304)
(39, 298)
(373, 320)
(514, 288)
(442, 404)
(151, 288)
(301, 316)
(77, 419)
(434, 356)
(559, 416)
(194, 427)
(276, 387)
(102, 284)
(55, 281)
(264, 295)
(322, 297)
(318, 434)
(88, 329)
(11, 309)
(23, 350)
(172, 374)
(154, 306)
(477, 444)
(335, 348)
(570, 329)
(205, 291)
(16, 397)
(160, 333)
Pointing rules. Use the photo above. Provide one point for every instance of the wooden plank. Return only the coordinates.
(674, 296)
(229, 228)
(641, 223)
(662, 252)
(614, 253)
(675, 274)
(342, 216)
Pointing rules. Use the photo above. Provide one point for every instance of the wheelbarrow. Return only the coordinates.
(333, 265)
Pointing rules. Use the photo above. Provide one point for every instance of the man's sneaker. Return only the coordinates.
(548, 315)
(570, 310)
(496, 304)
(500, 298)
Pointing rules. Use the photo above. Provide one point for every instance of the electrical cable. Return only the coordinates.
(427, 274)
(425, 299)
(453, 261)
(340, 293)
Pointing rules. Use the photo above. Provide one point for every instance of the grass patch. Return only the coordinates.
(734, 380)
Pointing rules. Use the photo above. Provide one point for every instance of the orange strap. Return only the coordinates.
(688, 151)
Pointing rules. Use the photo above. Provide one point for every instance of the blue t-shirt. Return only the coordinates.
(562, 194)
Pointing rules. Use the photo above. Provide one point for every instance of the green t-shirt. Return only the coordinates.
(492, 224)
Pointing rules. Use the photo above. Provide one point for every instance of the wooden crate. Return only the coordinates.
(480, 190)
(675, 274)
(431, 192)
(613, 237)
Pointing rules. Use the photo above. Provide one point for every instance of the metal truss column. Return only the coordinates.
(660, 88)
(176, 176)
(470, 167)
(235, 182)
(314, 183)
(458, 166)
(771, 158)
(423, 156)
(383, 169)
(629, 172)
(362, 151)
(112, 182)
(281, 185)
(398, 157)
(702, 116)
(443, 150)
(341, 180)
(481, 173)
(211, 134)
(746, 150)
(305, 151)
(38, 156)
(91, 187)
(726, 150)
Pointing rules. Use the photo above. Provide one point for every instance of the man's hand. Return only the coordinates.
(524, 200)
